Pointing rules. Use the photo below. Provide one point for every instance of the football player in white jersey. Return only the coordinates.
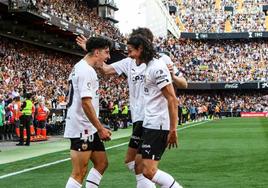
(135, 76)
(161, 108)
(83, 127)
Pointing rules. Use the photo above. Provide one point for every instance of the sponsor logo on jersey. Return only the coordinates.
(138, 78)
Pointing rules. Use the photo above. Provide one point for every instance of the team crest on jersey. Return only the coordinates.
(84, 146)
(159, 72)
(146, 91)
(89, 85)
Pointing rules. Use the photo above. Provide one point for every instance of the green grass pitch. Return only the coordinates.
(229, 153)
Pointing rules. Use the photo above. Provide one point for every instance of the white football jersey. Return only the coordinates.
(135, 78)
(168, 61)
(157, 76)
(83, 82)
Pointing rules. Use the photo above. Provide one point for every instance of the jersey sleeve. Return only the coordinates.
(85, 84)
(161, 75)
(168, 61)
(121, 67)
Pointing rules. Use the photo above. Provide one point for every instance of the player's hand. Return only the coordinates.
(81, 41)
(172, 141)
(105, 134)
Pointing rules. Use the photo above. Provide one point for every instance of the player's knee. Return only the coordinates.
(101, 167)
(79, 175)
(149, 172)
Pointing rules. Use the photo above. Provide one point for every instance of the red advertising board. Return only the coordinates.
(254, 114)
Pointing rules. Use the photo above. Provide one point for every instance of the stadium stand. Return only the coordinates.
(218, 61)
(219, 15)
(215, 103)
(44, 72)
(78, 13)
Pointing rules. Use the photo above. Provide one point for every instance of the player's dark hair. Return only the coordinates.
(144, 32)
(148, 51)
(94, 43)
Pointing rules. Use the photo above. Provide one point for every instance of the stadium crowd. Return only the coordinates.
(196, 106)
(211, 15)
(218, 61)
(44, 73)
(78, 13)
(26, 68)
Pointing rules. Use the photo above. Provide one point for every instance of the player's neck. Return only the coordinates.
(138, 62)
(90, 61)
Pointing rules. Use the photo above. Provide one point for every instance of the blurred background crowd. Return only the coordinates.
(27, 68)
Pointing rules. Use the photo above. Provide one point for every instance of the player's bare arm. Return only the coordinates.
(107, 69)
(179, 81)
(169, 94)
(88, 108)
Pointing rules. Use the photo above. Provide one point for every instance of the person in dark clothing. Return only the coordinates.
(26, 120)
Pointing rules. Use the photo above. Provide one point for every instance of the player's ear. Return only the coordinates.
(96, 52)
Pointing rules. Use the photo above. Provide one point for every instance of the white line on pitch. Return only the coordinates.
(63, 160)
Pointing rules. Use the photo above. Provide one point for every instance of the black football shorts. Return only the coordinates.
(79, 144)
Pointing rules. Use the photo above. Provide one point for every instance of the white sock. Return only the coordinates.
(93, 179)
(72, 183)
(143, 182)
(131, 166)
(165, 180)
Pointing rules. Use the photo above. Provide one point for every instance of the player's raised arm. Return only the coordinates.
(179, 81)
(81, 41)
